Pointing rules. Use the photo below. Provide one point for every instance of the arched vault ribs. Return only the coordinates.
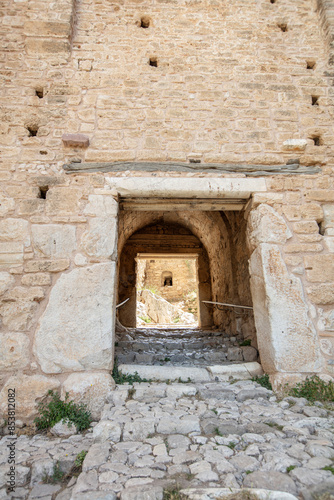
(220, 243)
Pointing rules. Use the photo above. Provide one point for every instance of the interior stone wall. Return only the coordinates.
(164, 236)
(183, 272)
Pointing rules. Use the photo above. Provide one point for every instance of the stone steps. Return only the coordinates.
(181, 347)
(221, 373)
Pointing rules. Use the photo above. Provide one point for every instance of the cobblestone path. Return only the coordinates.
(205, 436)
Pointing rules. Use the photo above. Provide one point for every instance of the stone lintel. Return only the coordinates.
(167, 187)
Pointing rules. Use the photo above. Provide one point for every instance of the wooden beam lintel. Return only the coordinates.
(248, 170)
(173, 204)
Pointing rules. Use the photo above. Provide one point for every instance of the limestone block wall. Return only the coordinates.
(242, 81)
(58, 280)
(230, 84)
(291, 265)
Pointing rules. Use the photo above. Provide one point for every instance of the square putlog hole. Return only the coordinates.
(283, 27)
(153, 62)
(145, 22)
(32, 130)
(317, 140)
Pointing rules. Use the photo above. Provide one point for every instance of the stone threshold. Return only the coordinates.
(218, 373)
(221, 493)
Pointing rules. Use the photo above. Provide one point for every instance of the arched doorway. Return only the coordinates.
(219, 241)
(165, 239)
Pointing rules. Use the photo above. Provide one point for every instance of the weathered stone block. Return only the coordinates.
(75, 140)
(63, 201)
(90, 388)
(6, 205)
(306, 227)
(295, 144)
(42, 46)
(31, 207)
(40, 279)
(45, 29)
(22, 191)
(265, 225)
(11, 253)
(14, 230)
(14, 351)
(322, 195)
(6, 281)
(268, 198)
(31, 389)
(54, 240)
(303, 247)
(286, 336)
(101, 206)
(312, 211)
(18, 314)
(100, 241)
(47, 266)
(322, 294)
(319, 268)
(24, 293)
(328, 216)
(75, 332)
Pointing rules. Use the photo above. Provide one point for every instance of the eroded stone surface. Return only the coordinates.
(53, 240)
(14, 230)
(92, 389)
(31, 389)
(265, 225)
(75, 332)
(6, 280)
(101, 238)
(14, 351)
(286, 336)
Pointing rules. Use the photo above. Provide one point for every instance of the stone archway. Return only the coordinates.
(161, 238)
(219, 239)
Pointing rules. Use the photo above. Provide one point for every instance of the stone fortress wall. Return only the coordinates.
(227, 82)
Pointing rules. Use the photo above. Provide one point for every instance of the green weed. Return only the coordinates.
(290, 468)
(263, 380)
(329, 467)
(314, 389)
(180, 381)
(53, 411)
(173, 493)
(56, 477)
(245, 342)
(146, 319)
(80, 458)
(121, 378)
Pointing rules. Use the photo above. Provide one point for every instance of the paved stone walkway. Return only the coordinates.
(181, 347)
(206, 435)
